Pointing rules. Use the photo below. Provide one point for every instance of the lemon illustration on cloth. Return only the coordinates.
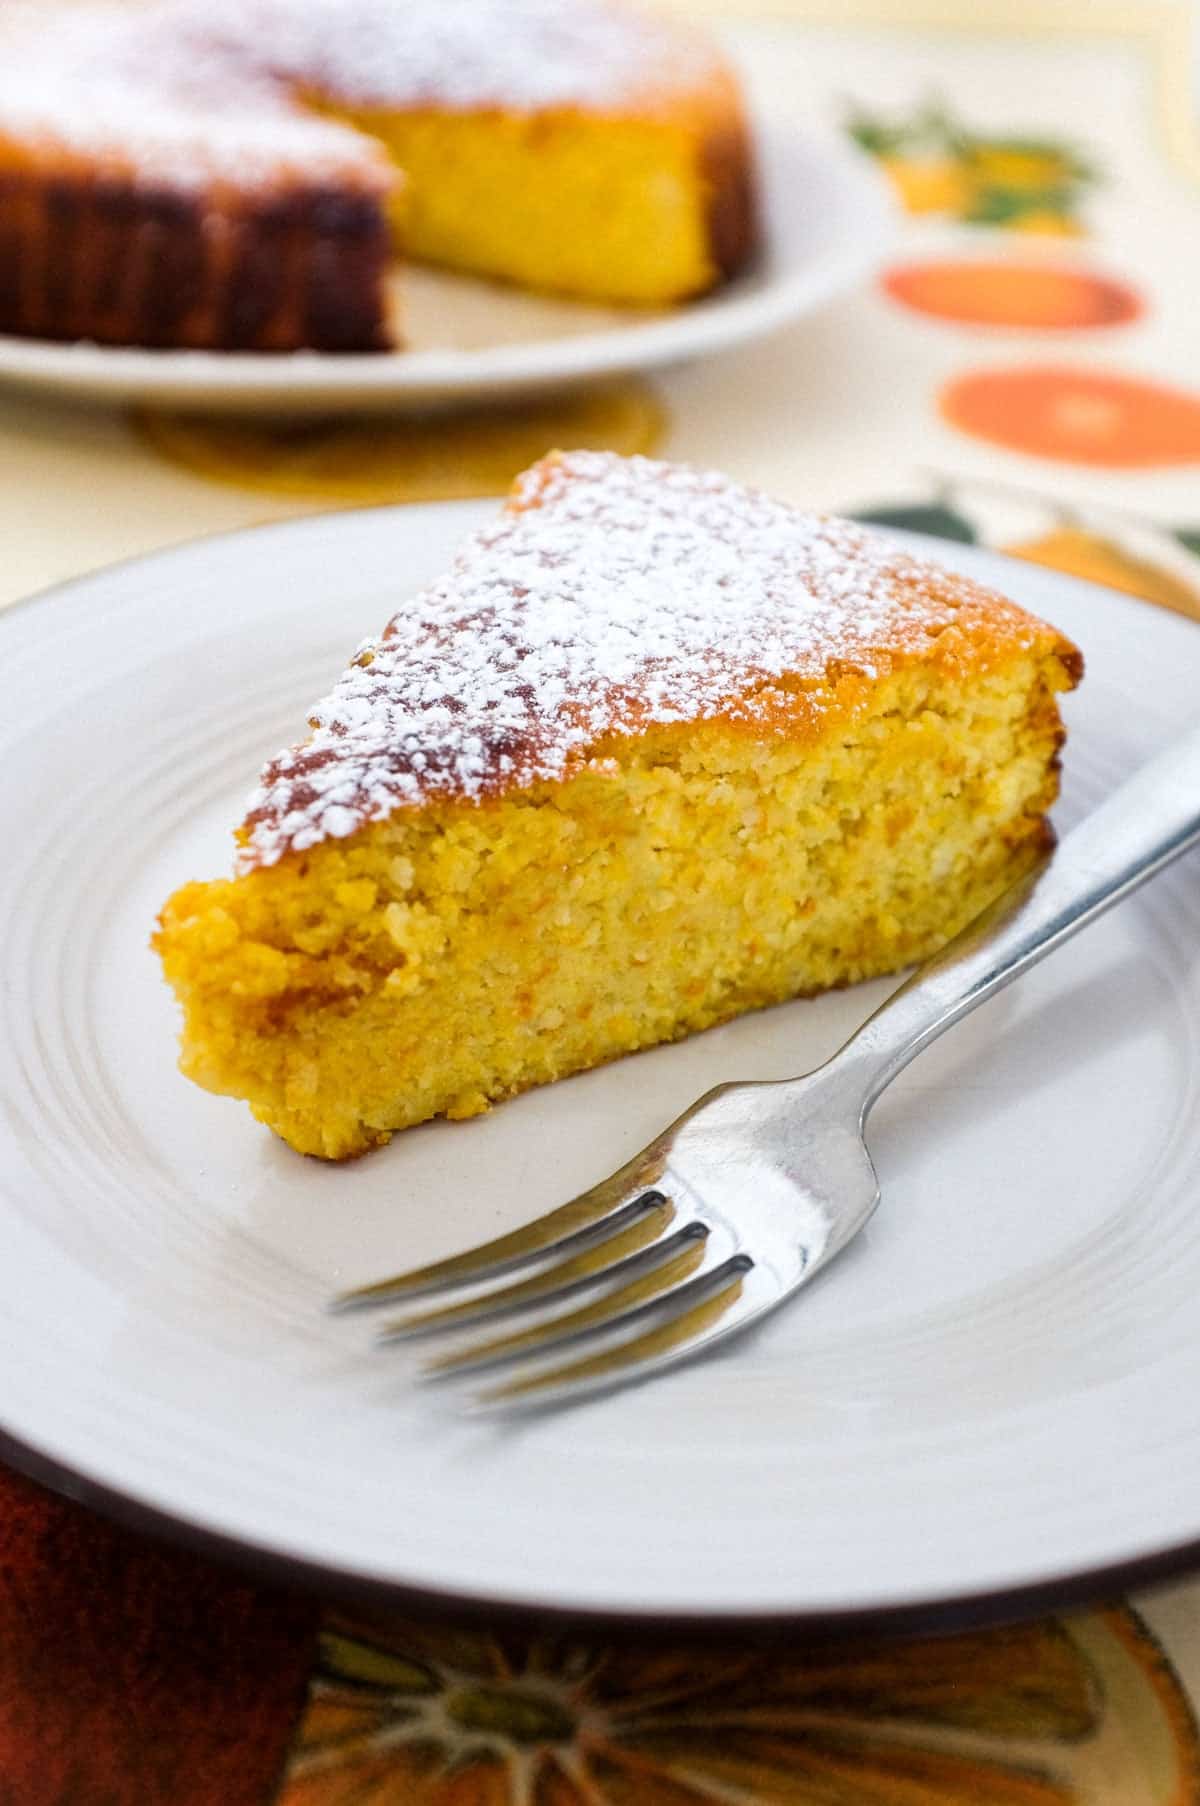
(448, 456)
(1083, 1712)
(939, 165)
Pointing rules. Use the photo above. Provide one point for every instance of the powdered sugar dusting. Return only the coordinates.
(197, 90)
(165, 106)
(610, 594)
(522, 55)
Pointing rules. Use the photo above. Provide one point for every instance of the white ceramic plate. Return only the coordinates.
(827, 223)
(993, 1397)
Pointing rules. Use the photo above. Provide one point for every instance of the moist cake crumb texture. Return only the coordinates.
(612, 593)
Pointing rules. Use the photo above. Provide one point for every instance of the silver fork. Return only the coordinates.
(758, 1186)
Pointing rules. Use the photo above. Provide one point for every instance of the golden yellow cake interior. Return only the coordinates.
(589, 147)
(642, 205)
(656, 751)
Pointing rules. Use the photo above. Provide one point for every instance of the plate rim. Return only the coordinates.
(281, 1566)
(985, 1608)
(307, 380)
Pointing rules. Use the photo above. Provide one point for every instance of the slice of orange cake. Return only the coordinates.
(658, 749)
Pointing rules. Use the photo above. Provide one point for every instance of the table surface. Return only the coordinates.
(1019, 375)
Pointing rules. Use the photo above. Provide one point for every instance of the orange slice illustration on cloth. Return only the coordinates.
(1077, 416)
(1086, 1712)
(993, 292)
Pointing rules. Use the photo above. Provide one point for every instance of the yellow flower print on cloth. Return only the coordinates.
(1083, 1712)
(937, 165)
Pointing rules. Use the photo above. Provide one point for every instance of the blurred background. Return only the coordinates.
(1017, 365)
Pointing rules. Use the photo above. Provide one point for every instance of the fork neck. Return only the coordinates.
(1140, 828)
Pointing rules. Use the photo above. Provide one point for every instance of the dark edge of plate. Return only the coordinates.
(961, 1612)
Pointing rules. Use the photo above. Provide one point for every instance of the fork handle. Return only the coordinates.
(1135, 832)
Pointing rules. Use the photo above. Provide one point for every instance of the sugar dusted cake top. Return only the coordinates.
(196, 90)
(519, 55)
(170, 108)
(611, 594)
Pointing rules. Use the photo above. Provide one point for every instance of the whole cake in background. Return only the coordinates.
(656, 750)
(240, 174)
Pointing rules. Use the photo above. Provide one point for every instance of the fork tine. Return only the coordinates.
(696, 1314)
(600, 1261)
(645, 1277)
(556, 1232)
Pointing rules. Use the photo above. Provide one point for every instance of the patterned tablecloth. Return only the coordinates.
(1024, 373)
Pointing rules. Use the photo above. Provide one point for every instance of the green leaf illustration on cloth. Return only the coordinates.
(1026, 181)
(934, 518)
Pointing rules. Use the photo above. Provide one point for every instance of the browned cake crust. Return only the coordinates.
(94, 258)
(734, 221)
